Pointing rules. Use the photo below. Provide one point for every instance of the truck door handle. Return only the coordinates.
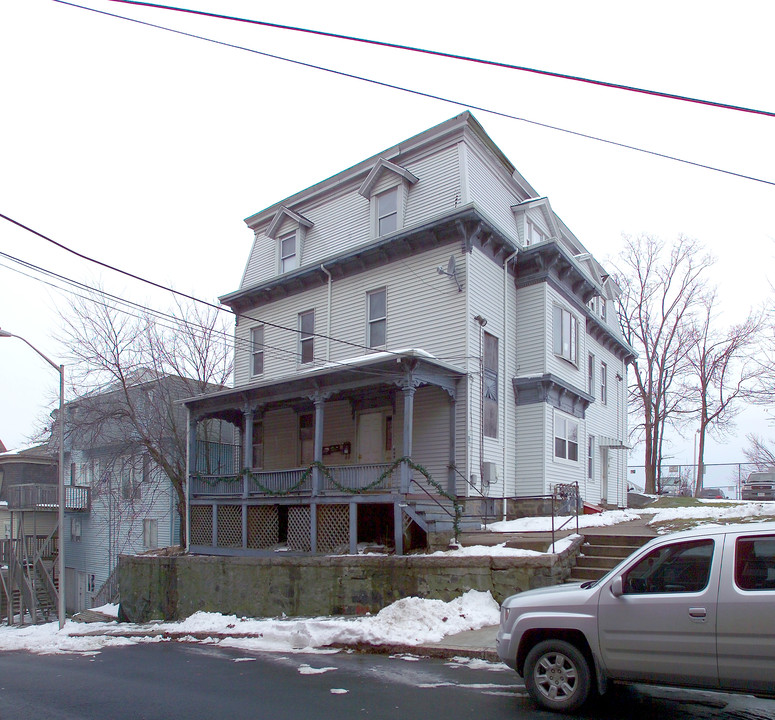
(697, 613)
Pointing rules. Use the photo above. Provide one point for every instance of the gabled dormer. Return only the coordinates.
(386, 187)
(536, 222)
(288, 229)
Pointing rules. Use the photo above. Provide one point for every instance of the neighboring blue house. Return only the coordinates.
(418, 332)
(134, 506)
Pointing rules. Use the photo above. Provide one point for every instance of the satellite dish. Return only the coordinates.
(451, 271)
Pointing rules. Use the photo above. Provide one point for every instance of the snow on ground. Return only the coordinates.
(544, 524)
(409, 621)
(717, 511)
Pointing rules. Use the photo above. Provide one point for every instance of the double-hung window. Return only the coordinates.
(257, 350)
(387, 212)
(591, 457)
(603, 383)
(490, 385)
(591, 374)
(377, 309)
(534, 234)
(307, 336)
(289, 258)
(566, 438)
(566, 330)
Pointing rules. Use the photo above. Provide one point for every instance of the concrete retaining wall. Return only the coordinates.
(172, 588)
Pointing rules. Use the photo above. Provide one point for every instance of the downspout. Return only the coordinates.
(328, 313)
(505, 362)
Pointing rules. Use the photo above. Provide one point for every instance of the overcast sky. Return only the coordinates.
(146, 149)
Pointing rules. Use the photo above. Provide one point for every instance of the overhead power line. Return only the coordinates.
(192, 298)
(431, 96)
(455, 56)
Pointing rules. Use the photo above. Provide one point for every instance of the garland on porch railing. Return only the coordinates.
(213, 480)
(253, 478)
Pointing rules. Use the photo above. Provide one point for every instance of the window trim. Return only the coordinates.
(590, 457)
(372, 321)
(397, 213)
(254, 352)
(591, 375)
(281, 239)
(569, 422)
(559, 314)
(308, 337)
(490, 385)
(604, 383)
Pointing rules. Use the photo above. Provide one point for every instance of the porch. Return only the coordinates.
(329, 460)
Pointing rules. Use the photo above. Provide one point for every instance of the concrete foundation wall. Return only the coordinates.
(172, 588)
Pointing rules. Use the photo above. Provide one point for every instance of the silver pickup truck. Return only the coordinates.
(693, 609)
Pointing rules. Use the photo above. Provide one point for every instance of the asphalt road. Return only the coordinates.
(172, 681)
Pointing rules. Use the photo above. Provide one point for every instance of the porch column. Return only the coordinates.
(452, 447)
(247, 438)
(398, 528)
(408, 389)
(353, 528)
(191, 467)
(319, 400)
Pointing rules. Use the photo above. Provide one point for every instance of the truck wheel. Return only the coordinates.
(557, 675)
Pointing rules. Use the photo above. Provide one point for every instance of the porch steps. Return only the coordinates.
(601, 552)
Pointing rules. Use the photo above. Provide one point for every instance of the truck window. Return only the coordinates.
(755, 563)
(682, 567)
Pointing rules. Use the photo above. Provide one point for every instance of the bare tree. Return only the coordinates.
(721, 374)
(660, 290)
(760, 452)
(131, 369)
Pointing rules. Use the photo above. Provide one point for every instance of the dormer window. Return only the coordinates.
(534, 234)
(289, 229)
(289, 259)
(387, 199)
(387, 212)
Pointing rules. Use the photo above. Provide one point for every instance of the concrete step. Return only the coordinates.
(597, 562)
(633, 541)
(612, 551)
(586, 573)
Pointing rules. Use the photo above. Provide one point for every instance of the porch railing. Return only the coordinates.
(44, 546)
(37, 496)
(340, 478)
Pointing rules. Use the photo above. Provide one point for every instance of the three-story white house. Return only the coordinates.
(414, 333)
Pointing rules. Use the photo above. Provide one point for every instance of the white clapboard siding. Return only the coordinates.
(438, 188)
(281, 338)
(532, 334)
(430, 440)
(492, 189)
(425, 310)
(530, 449)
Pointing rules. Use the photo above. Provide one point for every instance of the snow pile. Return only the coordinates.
(716, 511)
(409, 621)
(544, 524)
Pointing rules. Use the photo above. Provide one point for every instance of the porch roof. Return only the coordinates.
(386, 368)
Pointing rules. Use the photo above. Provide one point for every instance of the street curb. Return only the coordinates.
(434, 651)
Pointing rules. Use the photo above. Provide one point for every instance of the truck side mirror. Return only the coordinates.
(617, 590)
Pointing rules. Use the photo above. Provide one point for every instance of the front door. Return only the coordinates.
(307, 439)
(604, 474)
(371, 445)
(663, 626)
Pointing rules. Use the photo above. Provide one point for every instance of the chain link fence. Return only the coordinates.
(681, 479)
